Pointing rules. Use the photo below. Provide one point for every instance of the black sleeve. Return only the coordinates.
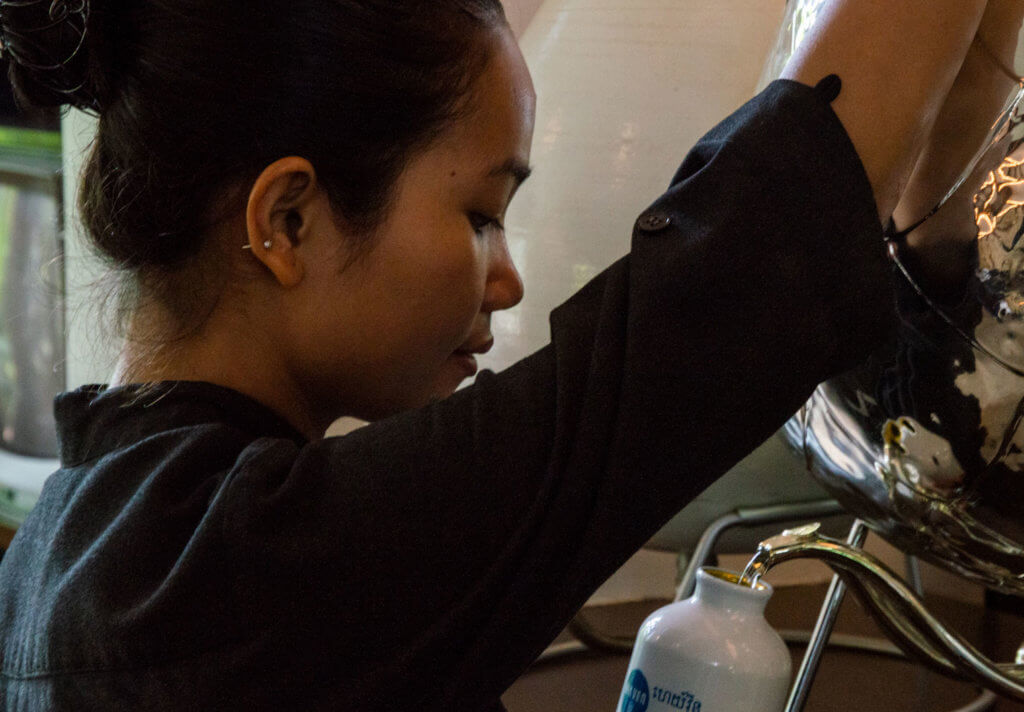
(427, 559)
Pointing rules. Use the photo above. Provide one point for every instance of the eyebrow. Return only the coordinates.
(513, 167)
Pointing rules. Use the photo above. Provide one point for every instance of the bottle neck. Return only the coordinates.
(721, 589)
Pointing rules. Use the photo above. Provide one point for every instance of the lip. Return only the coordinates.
(465, 357)
(480, 347)
(466, 361)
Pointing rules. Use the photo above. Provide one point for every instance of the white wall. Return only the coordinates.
(520, 12)
(624, 89)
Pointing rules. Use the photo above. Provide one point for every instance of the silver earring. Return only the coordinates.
(266, 245)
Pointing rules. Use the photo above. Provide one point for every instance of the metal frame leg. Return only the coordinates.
(822, 630)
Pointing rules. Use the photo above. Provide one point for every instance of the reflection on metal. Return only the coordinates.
(997, 196)
(897, 609)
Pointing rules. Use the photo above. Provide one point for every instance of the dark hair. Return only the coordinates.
(196, 96)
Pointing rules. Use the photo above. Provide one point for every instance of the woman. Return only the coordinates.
(307, 198)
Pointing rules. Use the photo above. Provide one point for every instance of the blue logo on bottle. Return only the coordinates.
(636, 694)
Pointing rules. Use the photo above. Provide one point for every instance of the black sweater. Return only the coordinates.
(195, 553)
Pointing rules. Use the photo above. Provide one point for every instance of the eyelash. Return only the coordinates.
(480, 222)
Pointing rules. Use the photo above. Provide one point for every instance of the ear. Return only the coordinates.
(278, 216)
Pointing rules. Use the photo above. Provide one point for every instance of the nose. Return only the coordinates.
(504, 287)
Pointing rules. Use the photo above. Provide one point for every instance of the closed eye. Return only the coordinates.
(481, 222)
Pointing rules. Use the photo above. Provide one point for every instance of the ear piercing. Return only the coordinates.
(266, 245)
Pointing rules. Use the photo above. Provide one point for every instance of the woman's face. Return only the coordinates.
(398, 327)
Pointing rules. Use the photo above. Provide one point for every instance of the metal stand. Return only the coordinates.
(822, 629)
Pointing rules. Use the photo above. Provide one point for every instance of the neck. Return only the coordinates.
(237, 359)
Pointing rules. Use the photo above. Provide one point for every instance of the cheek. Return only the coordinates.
(423, 305)
(456, 294)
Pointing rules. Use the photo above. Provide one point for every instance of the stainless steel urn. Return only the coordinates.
(925, 441)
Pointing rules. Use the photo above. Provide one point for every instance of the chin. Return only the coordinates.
(442, 393)
(446, 389)
(444, 385)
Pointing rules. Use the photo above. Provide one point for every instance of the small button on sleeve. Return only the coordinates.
(653, 221)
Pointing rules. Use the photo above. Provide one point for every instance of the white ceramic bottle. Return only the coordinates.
(713, 652)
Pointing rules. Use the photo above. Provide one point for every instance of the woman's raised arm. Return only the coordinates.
(897, 61)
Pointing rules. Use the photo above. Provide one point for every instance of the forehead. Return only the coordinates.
(498, 122)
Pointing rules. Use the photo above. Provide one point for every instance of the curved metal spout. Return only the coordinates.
(896, 608)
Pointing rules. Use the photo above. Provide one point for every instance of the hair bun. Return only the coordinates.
(46, 43)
